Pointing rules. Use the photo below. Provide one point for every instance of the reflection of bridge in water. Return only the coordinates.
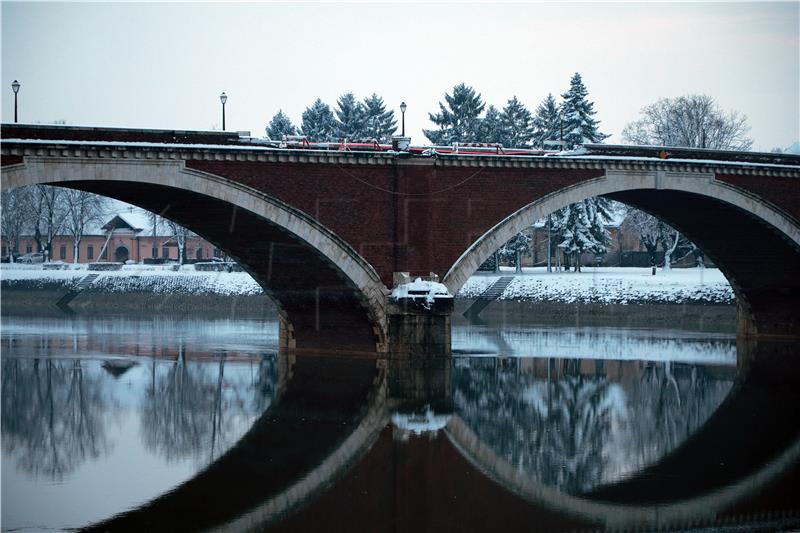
(355, 472)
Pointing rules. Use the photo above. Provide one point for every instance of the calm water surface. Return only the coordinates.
(181, 424)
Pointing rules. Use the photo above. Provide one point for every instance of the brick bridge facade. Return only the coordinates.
(324, 231)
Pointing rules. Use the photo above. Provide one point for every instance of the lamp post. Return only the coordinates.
(15, 88)
(403, 107)
(223, 98)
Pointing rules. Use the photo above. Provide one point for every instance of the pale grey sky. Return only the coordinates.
(163, 65)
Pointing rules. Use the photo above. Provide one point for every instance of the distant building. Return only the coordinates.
(127, 236)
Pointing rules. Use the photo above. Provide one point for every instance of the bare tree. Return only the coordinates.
(84, 208)
(16, 215)
(654, 232)
(694, 121)
(51, 212)
(180, 233)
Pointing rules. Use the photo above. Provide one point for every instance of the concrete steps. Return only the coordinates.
(488, 296)
(83, 284)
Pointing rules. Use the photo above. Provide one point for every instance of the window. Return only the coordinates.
(3, 252)
(28, 249)
(62, 252)
(90, 252)
(165, 253)
(104, 255)
(199, 253)
(155, 252)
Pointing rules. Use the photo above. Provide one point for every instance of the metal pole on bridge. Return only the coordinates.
(223, 98)
(15, 87)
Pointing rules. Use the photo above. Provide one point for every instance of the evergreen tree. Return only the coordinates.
(379, 124)
(280, 125)
(491, 127)
(579, 126)
(318, 122)
(582, 228)
(460, 120)
(350, 117)
(517, 125)
(546, 123)
(514, 248)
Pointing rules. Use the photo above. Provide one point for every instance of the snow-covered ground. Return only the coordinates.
(609, 285)
(142, 278)
(604, 284)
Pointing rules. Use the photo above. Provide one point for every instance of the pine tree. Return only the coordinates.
(349, 117)
(379, 124)
(280, 125)
(517, 125)
(318, 122)
(582, 228)
(460, 120)
(491, 127)
(514, 248)
(546, 123)
(579, 126)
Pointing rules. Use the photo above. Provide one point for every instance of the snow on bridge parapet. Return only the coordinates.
(421, 291)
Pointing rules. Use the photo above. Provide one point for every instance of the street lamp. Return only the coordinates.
(15, 88)
(403, 107)
(223, 98)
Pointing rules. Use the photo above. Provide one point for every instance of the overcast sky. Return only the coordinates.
(164, 65)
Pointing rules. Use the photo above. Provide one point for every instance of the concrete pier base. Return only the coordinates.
(416, 332)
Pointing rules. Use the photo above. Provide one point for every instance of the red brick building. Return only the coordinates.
(126, 236)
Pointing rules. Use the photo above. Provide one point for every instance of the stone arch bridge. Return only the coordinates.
(324, 231)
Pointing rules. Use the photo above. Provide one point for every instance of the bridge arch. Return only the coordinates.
(318, 281)
(697, 204)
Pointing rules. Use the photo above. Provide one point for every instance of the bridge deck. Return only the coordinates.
(16, 135)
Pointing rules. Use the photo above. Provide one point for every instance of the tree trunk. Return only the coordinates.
(518, 260)
(75, 248)
(668, 253)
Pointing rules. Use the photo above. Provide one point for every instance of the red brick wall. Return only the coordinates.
(781, 192)
(406, 218)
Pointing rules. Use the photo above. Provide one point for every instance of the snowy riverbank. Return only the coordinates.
(609, 285)
(597, 285)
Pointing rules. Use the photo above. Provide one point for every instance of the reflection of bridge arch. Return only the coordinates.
(703, 208)
(738, 453)
(307, 269)
(307, 439)
(697, 510)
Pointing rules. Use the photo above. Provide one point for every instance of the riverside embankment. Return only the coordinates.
(598, 296)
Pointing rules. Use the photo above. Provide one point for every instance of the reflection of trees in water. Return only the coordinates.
(191, 410)
(575, 430)
(669, 404)
(53, 415)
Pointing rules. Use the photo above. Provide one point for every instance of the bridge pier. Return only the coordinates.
(416, 332)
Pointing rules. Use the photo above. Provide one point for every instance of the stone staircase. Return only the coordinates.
(83, 284)
(488, 296)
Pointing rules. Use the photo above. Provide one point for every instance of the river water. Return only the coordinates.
(180, 423)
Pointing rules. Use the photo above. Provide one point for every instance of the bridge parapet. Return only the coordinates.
(76, 141)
